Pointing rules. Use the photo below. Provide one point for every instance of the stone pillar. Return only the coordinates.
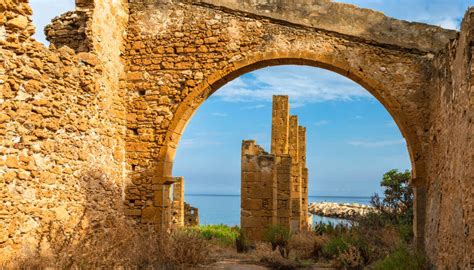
(280, 125)
(304, 176)
(305, 220)
(258, 191)
(178, 202)
(280, 148)
(283, 190)
(293, 138)
(419, 212)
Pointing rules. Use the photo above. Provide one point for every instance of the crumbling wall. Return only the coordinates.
(58, 137)
(258, 191)
(191, 215)
(449, 229)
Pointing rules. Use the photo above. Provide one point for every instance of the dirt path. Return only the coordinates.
(238, 264)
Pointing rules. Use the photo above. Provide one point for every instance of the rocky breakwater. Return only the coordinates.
(340, 210)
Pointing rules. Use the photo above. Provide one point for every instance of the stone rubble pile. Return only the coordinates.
(340, 210)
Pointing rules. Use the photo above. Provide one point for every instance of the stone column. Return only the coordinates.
(178, 202)
(280, 125)
(295, 224)
(419, 212)
(306, 222)
(283, 190)
(258, 191)
(304, 175)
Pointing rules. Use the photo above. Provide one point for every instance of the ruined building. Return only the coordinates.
(275, 185)
(89, 126)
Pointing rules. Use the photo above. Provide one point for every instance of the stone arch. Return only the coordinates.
(406, 124)
(214, 82)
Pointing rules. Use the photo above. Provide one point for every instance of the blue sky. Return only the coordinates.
(352, 140)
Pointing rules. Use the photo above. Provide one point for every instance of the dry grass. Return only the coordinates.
(126, 246)
(305, 245)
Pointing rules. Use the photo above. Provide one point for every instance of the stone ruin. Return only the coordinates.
(274, 187)
(177, 210)
(89, 126)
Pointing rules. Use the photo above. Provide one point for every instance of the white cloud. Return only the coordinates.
(219, 114)
(444, 13)
(321, 123)
(382, 143)
(254, 107)
(449, 23)
(302, 84)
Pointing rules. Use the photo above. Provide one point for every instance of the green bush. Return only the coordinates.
(397, 201)
(401, 259)
(279, 236)
(223, 233)
(322, 228)
(335, 246)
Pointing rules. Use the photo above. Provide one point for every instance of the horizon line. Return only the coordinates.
(238, 195)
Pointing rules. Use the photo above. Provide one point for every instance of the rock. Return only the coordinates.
(88, 58)
(19, 22)
(339, 210)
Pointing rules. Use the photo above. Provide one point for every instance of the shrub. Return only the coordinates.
(241, 242)
(329, 228)
(401, 259)
(335, 246)
(304, 245)
(187, 248)
(279, 237)
(351, 258)
(127, 245)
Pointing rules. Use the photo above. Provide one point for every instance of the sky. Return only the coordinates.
(351, 138)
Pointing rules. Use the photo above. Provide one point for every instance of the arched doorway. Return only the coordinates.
(380, 90)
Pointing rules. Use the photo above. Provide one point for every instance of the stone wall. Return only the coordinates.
(449, 230)
(58, 135)
(191, 215)
(258, 191)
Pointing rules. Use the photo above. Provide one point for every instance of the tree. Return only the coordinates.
(397, 202)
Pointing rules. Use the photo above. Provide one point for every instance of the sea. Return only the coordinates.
(225, 209)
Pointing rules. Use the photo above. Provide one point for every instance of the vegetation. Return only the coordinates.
(222, 233)
(397, 203)
(128, 246)
(279, 237)
(403, 258)
(241, 243)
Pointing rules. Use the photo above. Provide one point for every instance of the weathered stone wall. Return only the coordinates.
(449, 230)
(258, 191)
(191, 215)
(178, 202)
(58, 134)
